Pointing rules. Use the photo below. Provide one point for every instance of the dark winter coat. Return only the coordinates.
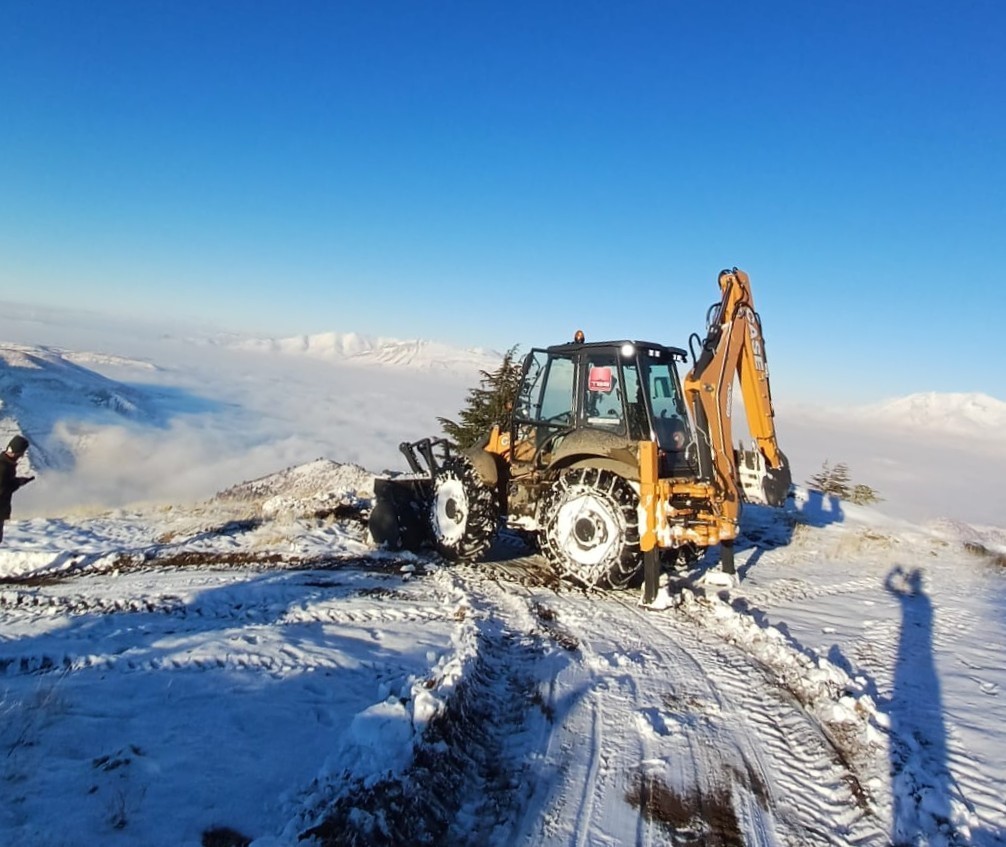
(9, 483)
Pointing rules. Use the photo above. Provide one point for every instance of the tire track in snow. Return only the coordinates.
(83, 635)
(803, 763)
(967, 780)
(757, 740)
(591, 787)
(717, 711)
(829, 808)
(474, 767)
(233, 596)
(787, 590)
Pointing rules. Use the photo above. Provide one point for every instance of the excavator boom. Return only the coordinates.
(734, 348)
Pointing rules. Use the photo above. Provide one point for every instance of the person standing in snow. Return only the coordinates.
(9, 481)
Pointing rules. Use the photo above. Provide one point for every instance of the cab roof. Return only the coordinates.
(572, 347)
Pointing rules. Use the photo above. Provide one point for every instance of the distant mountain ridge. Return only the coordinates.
(41, 388)
(955, 413)
(359, 349)
(63, 399)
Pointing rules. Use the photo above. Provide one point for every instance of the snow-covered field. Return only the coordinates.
(243, 667)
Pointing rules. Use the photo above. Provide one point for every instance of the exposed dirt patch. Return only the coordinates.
(695, 818)
(264, 561)
(550, 626)
(378, 593)
(844, 742)
(752, 780)
(344, 512)
(538, 699)
(676, 703)
(981, 550)
(229, 528)
(196, 558)
(515, 557)
(463, 773)
(224, 836)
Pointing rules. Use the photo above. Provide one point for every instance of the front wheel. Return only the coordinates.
(464, 512)
(590, 528)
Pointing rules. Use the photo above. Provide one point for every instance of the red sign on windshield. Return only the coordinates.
(599, 379)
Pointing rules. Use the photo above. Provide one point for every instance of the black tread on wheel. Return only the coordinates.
(464, 511)
(590, 528)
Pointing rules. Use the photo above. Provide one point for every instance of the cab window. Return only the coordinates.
(602, 399)
(669, 422)
(548, 390)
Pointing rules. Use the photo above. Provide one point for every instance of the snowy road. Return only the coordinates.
(663, 732)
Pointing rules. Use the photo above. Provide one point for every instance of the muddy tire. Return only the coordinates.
(464, 511)
(590, 528)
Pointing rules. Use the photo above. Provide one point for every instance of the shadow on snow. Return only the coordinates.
(922, 783)
(162, 718)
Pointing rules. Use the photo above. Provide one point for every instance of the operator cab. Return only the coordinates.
(627, 389)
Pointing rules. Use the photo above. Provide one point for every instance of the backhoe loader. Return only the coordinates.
(610, 461)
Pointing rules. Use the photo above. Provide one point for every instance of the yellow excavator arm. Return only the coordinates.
(735, 348)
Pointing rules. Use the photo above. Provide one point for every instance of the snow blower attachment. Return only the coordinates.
(610, 460)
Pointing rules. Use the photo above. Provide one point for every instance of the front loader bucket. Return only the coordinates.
(398, 518)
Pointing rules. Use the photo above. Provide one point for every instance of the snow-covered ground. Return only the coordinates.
(243, 670)
(246, 668)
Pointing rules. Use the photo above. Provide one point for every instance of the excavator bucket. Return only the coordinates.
(761, 483)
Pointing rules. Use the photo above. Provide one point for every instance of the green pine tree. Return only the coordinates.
(863, 495)
(489, 404)
(837, 481)
(832, 480)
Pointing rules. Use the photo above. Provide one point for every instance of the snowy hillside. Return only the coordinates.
(180, 416)
(49, 395)
(219, 673)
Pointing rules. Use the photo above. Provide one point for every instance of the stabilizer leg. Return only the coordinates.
(651, 575)
(727, 557)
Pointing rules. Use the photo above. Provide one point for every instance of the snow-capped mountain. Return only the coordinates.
(970, 414)
(44, 391)
(420, 354)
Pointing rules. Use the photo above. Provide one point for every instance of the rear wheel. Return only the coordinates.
(464, 512)
(590, 528)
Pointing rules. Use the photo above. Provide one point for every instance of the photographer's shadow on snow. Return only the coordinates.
(920, 780)
(927, 801)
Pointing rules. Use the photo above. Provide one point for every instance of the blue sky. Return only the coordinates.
(501, 174)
